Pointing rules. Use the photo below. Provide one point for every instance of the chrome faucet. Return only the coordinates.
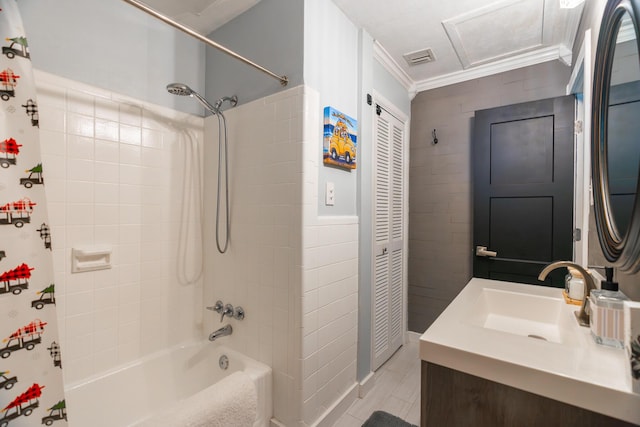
(227, 310)
(589, 285)
(222, 332)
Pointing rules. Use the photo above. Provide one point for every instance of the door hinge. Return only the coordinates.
(577, 235)
(578, 127)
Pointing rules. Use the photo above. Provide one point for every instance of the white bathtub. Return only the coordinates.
(135, 392)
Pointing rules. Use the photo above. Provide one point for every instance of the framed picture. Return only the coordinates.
(340, 141)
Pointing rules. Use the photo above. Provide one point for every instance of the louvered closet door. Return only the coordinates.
(388, 318)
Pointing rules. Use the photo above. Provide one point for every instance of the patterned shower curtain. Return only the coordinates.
(31, 389)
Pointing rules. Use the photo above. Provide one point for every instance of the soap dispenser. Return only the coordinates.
(607, 312)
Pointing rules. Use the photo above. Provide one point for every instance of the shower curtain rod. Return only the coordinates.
(283, 79)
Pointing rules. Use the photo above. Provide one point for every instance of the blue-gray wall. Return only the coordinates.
(111, 45)
(269, 34)
(331, 62)
(387, 86)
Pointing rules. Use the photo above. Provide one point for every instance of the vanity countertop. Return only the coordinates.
(484, 332)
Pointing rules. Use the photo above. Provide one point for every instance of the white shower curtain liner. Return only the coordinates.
(31, 388)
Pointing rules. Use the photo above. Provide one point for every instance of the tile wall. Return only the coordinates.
(114, 170)
(329, 290)
(440, 188)
(330, 314)
(260, 270)
(295, 274)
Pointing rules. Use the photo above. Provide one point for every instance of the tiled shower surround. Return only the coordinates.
(114, 169)
(294, 273)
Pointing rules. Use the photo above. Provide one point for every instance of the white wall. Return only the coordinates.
(329, 297)
(113, 169)
(293, 268)
(294, 273)
(261, 270)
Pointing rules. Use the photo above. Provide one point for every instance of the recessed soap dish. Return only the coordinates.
(90, 259)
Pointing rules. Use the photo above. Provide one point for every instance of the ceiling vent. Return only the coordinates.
(419, 57)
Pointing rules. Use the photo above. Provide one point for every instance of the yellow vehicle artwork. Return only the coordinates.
(340, 144)
(340, 140)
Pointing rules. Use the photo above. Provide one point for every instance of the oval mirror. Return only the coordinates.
(616, 135)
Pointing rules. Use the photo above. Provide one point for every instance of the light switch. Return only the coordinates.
(330, 194)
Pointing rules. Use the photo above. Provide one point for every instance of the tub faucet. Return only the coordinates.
(589, 284)
(222, 332)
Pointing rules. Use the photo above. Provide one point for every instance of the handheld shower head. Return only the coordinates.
(179, 89)
(182, 89)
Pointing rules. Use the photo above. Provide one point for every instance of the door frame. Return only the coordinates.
(405, 120)
(580, 83)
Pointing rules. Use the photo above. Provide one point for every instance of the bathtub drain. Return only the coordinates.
(223, 362)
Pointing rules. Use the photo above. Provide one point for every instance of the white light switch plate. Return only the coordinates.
(330, 194)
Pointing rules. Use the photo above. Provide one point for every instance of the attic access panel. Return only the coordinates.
(499, 30)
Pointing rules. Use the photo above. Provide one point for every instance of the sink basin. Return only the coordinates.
(527, 337)
(524, 314)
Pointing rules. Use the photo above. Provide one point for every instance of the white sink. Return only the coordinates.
(527, 337)
(524, 314)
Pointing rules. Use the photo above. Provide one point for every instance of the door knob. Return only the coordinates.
(483, 251)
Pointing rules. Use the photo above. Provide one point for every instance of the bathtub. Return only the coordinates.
(135, 392)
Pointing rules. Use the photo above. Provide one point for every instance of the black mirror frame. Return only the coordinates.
(623, 252)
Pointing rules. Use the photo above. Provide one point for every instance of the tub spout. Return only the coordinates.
(589, 285)
(222, 332)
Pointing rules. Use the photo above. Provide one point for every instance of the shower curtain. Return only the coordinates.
(31, 388)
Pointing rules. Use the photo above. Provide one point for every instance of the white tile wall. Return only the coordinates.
(329, 295)
(113, 168)
(294, 273)
(260, 270)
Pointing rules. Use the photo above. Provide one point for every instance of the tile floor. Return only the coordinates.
(396, 390)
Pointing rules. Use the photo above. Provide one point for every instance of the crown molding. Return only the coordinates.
(524, 60)
(538, 56)
(383, 57)
(571, 27)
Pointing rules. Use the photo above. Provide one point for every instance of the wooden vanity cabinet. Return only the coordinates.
(455, 399)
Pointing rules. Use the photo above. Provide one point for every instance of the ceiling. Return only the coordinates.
(467, 38)
(203, 16)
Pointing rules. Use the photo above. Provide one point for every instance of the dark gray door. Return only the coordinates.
(523, 189)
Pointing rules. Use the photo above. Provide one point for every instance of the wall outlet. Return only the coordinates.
(330, 194)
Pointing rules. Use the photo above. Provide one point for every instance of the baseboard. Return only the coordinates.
(366, 384)
(331, 415)
(413, 336)
(275, 423)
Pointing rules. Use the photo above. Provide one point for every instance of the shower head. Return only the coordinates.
(179, 89)
(182, 89)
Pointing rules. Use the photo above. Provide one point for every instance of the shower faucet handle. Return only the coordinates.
(217, 307)
(228, 311)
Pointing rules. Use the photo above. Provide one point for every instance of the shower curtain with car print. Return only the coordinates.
(31, 388)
